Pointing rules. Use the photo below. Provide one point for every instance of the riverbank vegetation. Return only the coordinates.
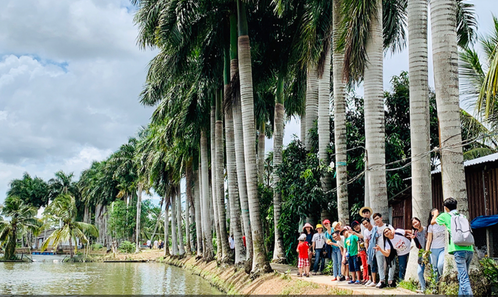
(222, 83)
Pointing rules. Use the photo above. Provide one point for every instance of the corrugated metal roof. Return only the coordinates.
(485, 159)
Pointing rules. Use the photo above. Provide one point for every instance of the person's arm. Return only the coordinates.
(429, 242)
(313, 246)
(384, 252)
(359, 235)
(367, 242)
(436, 214)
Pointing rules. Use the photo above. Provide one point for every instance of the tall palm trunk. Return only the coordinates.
(233, 187)
(259, 263)
(311, 101)
(261, 152)
(278, 142)
(220, 180)
(179, 220)
(189, 191)
(445, 56)
(174, 214)
(197, 213)
(419, 117)
(166, 224)
(340, 122)
(302, 126)
(206, 216)
(374, 117)
(139, 210)
(241, 167)
(214, 187)
(324, 118)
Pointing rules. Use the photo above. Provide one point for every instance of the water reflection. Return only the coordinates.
(58, 278)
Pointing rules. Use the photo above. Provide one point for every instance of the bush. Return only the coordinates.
(490, 271)
(97, 246)
(126, 247)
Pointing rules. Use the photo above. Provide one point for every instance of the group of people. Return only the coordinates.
(365, 252)
(157, 244)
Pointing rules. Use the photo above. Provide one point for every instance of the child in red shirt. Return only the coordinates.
(303, 261)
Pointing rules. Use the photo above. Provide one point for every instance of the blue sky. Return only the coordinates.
(70, 76)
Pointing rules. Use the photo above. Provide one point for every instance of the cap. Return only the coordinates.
(302, 237)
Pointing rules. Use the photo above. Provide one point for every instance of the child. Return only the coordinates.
(303, 261)
(351, 244)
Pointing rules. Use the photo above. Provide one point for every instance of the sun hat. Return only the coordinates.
(307, 225)
(302, 237)
(318, 226)
(326, 222)
(365, 208)
(335, 224)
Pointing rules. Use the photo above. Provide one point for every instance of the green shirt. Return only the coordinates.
(352, 245)
(445, 219)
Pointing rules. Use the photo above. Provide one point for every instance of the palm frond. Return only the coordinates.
(467, 23)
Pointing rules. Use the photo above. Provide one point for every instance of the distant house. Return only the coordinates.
(44, 235)
(481, 175)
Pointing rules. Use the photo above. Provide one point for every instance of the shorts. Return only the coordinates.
(374, 267)
(353, 264)
(303, 262)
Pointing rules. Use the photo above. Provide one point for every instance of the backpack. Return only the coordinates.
(460, 230)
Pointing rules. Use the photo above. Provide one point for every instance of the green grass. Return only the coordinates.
(409, 285)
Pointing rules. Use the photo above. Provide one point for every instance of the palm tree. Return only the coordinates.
(62, 210)
(340, 119)
(445, 54)
(259, 263)
(22, 216)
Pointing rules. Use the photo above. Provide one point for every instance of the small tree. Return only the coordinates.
(62, 212)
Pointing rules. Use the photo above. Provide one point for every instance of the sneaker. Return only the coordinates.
(357, 282)
(381, 285)
(392, 284)
(350, 282)
(420, 291)
(372, 284)
(368, 283)
(334, 279)
(342, 278)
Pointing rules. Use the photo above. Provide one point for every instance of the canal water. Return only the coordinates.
(49, 276)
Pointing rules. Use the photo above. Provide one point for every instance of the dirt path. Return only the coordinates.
(326, 280)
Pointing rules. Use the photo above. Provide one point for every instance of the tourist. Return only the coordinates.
(337, 226)
(231, 242)
(419, 236)
(335, 251)
(362, 253)
(339, 242)
(366, 213)
(351, 243)
(156, 244)
(318, 241)
(371, 260)
(308, 231)
(149, 243)
(381, 259)
(435, 243)
(303, 263)
(328, 236)
(462, 254)
(397, 240)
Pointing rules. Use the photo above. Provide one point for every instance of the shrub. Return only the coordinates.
(126, 247)
(97, 246)
(490, 271)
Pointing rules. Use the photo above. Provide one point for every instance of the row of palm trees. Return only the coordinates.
(250, 63)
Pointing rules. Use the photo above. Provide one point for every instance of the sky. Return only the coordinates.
(70, 77)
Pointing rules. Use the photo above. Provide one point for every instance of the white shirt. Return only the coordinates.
(319, 240)
(232, 242)
(400, 243)
(341, 242)
(438, 233)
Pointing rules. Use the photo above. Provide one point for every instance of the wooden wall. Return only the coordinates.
(482, 189)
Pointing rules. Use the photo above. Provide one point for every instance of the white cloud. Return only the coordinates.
(70, 76)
